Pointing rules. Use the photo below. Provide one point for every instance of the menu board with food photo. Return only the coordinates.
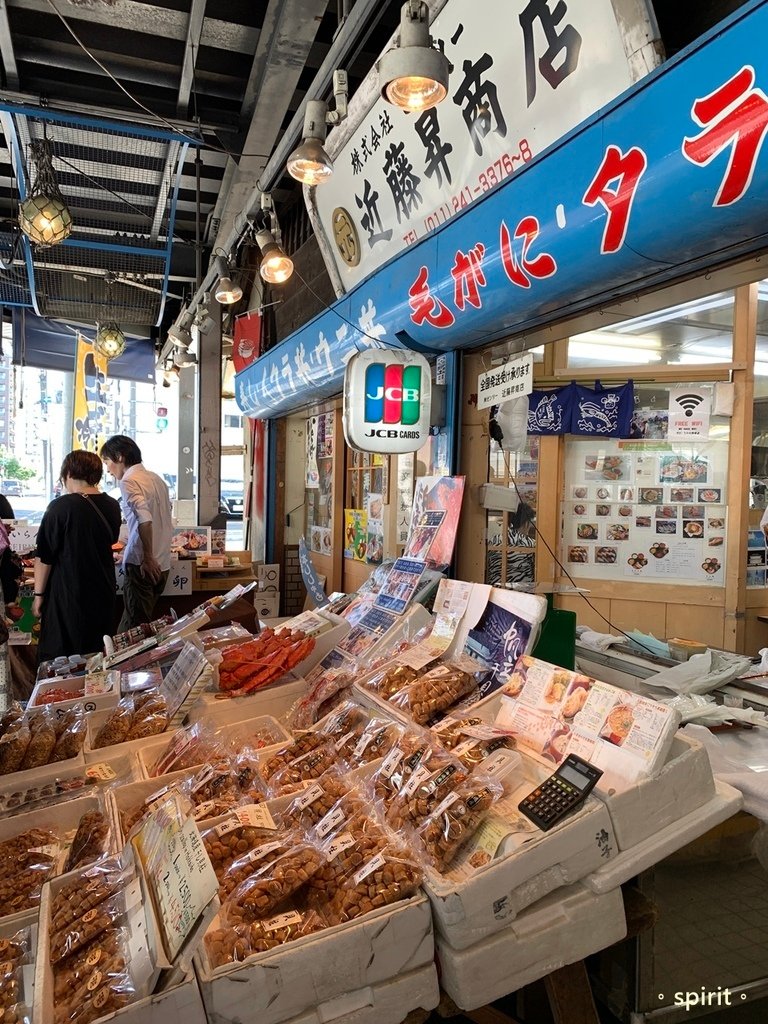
(554, 712)
(646, 514)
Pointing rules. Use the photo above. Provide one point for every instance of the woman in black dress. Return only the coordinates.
(74, 568)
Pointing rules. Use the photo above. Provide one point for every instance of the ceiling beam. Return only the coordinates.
(6, 49)
(191, 50)
(161, 22)
(288, 34)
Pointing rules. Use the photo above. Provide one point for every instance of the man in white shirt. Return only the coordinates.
(146, 508)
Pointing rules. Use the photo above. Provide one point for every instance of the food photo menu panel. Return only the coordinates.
(652, 511)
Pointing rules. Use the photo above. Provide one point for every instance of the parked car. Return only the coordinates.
(13, 489)
(231, 498)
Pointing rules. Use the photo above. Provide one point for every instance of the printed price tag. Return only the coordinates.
(367, 869)
(465, 747)
(330, 821)
(261, 852)
(309, 796)
(344, 740)
(390, 762)
(444, 805)
(340, 844)
(420, 775)
(204, 810)
(290, 917)
(102, 772)
(256, 815)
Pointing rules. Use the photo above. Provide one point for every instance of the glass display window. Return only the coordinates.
(650, 508)
(366, 495)
(510, 558)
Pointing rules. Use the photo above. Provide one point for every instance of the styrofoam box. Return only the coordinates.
(60, 818)
(559, 930)
(469, 911)
(241, 730)
(724, 804)
(285, 982)
(90, 703)
(41, 775)
(275, 700)
(8, 928)
(683, 784)
(179, 1004)
(150, 745)
(387, 1003)
(126, 798)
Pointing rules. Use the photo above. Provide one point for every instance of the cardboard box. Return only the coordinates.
(312, 971)
(387, 1003)
(267, 605)
(268, 577)
(666, 841)
(559, 930)
(467, 912)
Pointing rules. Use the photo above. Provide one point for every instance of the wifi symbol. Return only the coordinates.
(689, 403)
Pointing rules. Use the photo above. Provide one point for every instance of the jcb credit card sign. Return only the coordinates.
(387, 399)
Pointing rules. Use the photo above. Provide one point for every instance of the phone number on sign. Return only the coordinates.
(486, 180)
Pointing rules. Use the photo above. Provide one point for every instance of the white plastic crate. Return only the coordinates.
(558, 930)
(310, 972)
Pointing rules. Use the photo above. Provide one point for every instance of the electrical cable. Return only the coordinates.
(559, 564)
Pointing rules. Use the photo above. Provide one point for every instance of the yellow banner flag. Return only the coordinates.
(89, 419)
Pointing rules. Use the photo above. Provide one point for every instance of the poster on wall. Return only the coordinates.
(689, 409)
(312, 478)
(325, 436)
(652, 515)
(375, 528)
(439, 494)
(355, 534)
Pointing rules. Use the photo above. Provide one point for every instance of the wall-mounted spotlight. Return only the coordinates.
(182, 358)
(226, 292)
(276, 267)
(414, 75)
(170, 373)
(179, 333)
(309, 163)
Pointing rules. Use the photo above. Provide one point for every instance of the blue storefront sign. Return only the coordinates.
(667, 180)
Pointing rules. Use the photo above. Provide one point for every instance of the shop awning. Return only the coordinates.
(664, 182)
(49, 345)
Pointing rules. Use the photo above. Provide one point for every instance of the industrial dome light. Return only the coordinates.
(309, 163)
(226, 292)
(275, 267)
(414, 75)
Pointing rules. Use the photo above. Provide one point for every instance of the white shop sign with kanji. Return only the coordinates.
(504, 383)
(524, 72)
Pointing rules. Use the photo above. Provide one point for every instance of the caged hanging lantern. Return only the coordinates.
(110, 340)
(44, 216)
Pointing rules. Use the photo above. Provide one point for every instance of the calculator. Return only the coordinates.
(561, 793)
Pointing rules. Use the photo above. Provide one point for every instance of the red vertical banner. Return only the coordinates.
(246, 344)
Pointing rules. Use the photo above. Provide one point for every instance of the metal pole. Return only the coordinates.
(209, 413)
